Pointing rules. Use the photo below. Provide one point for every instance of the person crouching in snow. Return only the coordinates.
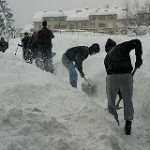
(77, 55)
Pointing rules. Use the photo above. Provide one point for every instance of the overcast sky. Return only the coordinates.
(24, 9)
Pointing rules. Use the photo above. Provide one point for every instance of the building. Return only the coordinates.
(103, 20)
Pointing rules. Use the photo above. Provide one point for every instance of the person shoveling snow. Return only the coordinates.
(78, 55)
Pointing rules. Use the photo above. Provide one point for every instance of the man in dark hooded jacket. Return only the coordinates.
(44, 40)
(119, 76)
(77, 55)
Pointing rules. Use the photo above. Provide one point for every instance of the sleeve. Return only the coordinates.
(51, 34)
(78, 63)
(130, 45)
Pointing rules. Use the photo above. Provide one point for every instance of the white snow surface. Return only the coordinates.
(41, 111)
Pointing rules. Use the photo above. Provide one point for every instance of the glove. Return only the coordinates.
(82, 75)
(20, 45)
(138, 63)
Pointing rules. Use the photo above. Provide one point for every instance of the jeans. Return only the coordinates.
(73, 76)
(123, 82)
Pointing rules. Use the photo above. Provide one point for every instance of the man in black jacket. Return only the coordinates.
(77, 55)
(44, 40)
(119, 76)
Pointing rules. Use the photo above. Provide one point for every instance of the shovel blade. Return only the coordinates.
(89, 89)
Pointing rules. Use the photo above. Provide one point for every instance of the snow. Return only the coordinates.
(41, 111)
(78, 14)
(27, 28)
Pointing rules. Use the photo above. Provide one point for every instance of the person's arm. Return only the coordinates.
(130, 45)
(51, 34)
(78, 63)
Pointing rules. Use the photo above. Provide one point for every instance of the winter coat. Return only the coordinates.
(77, 55)
(117, 60)
(25, 41)
(44, 39)
(32, 43)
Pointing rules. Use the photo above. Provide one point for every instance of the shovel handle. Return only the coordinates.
(134, 71)
(119, 100)
(87, 81)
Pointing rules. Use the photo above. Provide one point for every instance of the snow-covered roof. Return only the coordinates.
(27, 28)
(78, 14)
(38, 16)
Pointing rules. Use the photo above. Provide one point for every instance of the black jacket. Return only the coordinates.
(44, 38)
(117, 60)
(77, 55)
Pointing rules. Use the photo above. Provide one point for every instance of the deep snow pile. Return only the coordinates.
(40, 111)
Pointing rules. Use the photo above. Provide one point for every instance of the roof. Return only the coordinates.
(78, 14)
(27, 28)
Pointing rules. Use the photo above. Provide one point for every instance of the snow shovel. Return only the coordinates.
(88, 88)
(120, 96)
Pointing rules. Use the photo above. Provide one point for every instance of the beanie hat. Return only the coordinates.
(109, 45)
(44, 23)
(94, 48)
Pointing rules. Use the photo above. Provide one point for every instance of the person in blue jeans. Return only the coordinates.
(72, 59)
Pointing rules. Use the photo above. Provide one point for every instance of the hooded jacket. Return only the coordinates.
(117, 60)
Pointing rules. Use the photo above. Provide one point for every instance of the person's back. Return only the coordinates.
(79, 52)
(45, 37)
(118, 59)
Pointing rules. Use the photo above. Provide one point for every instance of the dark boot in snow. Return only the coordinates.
(127, 127)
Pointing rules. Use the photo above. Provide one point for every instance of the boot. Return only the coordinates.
(127, 127)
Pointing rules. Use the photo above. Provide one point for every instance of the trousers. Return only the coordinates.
(124, 83)
(73, 76)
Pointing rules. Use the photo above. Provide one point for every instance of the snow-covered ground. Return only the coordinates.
(41, 111)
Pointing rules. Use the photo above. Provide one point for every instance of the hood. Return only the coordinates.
(109, 45)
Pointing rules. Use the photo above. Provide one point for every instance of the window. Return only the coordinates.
(56, 26)
(49, 26)
(110, 25)
(92, 25)
(70, 26)
(102, 25)
(63, 26)
(92, 17)
(102, 17)
(112, 17)
(84, 26)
